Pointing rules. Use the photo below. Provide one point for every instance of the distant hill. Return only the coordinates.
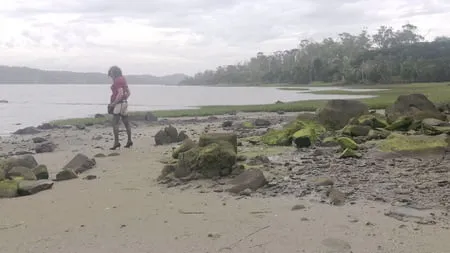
(25, 75)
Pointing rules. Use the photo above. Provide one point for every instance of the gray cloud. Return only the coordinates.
(190, 35)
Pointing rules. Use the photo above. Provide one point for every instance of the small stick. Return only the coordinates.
(240, 240)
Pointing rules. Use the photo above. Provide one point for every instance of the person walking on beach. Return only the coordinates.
(118, 105)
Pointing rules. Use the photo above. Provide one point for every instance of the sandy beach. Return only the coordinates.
(125, 209)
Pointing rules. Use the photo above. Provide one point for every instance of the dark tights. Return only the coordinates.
(115, 123)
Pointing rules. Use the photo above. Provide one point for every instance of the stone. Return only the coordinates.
(216, 159)
(400, 124)
(227, 123)
(8, 189)
(249, 179)
(90, 177)
(167, 135)
(67, 174)
(185, 146)
(39, 140)
(149, 116)
(337, 197)
(27, 131)
(41, 172)
(432, 126)
(27, 187)
(99, 155)
(298, 207)
(323, 181)
(21, 171)
(45, 147)
(356, 130)
(307, 136)
(346, 142)
(373, 120)
(99, 116)
(80, 163)
(415, 106)
(182, 136)
(167, 170)
(206, 139)
(3, 101)
(337, 113)
(27, 161)
(350, 153)
(259, 160)
(378, 134)
(113, 154)
(285, 136)
(262, 123)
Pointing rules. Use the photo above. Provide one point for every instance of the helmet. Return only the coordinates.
(114, 72)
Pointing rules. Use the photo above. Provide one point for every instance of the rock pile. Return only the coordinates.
(169, 135)
(23, 175)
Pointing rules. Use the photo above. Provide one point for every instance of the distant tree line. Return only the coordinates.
(388, 56)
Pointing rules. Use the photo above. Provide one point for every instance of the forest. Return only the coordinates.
(386, 57)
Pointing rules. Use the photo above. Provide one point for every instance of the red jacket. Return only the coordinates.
(120, 91)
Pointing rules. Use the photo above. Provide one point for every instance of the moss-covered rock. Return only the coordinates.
(401, 124)
(378, 134)
(301, 129)
(356, 130)
(350, 153)
(41, 172)
(373, 120)
(347, 143)
(8, 189)
(27, 161)
(434, 126)
(248, 124)
(416, 106)
(337, 113)
(398, 142)
(21, 171)
(216, 159)
(330, 141)
(308, 135)
(277, 138)
(210, 138)
(185, 146)
(187, 162)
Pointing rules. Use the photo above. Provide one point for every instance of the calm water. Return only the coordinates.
(31, 105)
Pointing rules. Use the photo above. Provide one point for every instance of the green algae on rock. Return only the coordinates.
(308, 135)
(398, 142)
(299, 128)
(400, 124)
(185, 146)
(8, 188)
(374, 120)
(347, 143)
(356, 130)
(350, 153)
(206, 139)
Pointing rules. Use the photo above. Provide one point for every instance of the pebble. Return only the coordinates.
(298, 207)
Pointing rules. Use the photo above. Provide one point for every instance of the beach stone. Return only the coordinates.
(167, 135)
(41, 172)
(45, 147)
(356, 130)
(182, 136)
(27, 131)
(227, 123)
(298, 207)
(99, 155)
(252, 179)
(80, 163)
(25, 160)
(259, 160)
(209, 138)
(20, 171)
(262, 123)
(3, 101)
(338, 112)
(167, 170)
(416, 106)
(39, 140)
(8, 189)
(185, 146)
(337, 197)
(67, 174)
(27, 187)
(149, 116)
(323, 181)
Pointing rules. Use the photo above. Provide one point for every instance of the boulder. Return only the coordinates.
(185, 146)
(284, 136)
(27, 161)
(149, 116)
(435, 126)
(41, 172)
(45, 147)
(356, 130)
(187, 162)
(400, 124)
(39, 140)
(398, 143)
(8, 188)
(27, 130)
(27, 187)
(21, 171)
(67, 174)
(337, 113)
(373, 120)
(416, 106)
(347, 143)
(167, 135)
(252, 179)
(206, 139)
(80, 163)
(182, 136)
(262, 123)
(166, 170)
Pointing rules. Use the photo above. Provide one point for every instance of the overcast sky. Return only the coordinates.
(172, 36)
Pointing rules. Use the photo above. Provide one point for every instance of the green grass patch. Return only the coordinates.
(397, 142)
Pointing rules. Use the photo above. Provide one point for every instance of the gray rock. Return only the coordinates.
(21, 171)
(167, 135)
(182, 136)
(67, 174)
(298, 207)
(80, 163)
(45, 147)
(41, 172)
(227, 123)
(32, 187)
(39, 140)
(25, 160)
(337, 113)
(8, 189)
(149, 116)
(251, 178)
(27, 130)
